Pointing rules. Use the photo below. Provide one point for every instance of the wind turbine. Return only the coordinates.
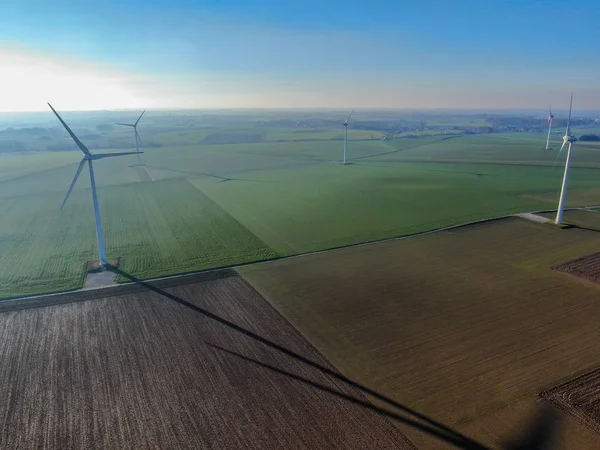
(567, 138)
(137, 137)
(88, 157)
(550, 117)
(346, 136)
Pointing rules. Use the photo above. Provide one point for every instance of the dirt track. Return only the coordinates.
(176, 369)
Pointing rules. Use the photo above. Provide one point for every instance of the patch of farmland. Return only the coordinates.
(576, 197)
(579, 397)
(14, 166)
(156, 228)
(589, 219)
(300, 134)
(233, 138)
(463, 327)
(322, 206)
(494, 149)
(178, 367)
(184, 231)
(56, 179)
(587, 267)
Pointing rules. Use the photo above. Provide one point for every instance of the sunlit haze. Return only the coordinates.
(233, 54)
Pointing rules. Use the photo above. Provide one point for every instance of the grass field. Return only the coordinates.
(157, 228)
(220, 204)
(466, 326)
(158, 369)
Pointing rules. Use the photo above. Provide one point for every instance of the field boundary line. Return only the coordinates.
(79, 295)
(411, 235)
(30, 301)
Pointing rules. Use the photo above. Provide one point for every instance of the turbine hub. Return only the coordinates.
(570, 138)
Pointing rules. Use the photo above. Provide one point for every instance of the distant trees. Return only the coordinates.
(589, 137)
(11, 146)
(528, 123)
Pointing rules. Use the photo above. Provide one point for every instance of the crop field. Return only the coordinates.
(207, 200)
(173, 368)
(579, 398)
(157, 228)
(466, 326)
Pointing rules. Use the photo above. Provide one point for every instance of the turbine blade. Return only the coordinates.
(550, 108)
(110, 155)
(82, 147)
(559, 152)
(136, 122)
(569, 121)
(124, 124)
(79, 169)
(349, 116)
(139, 138)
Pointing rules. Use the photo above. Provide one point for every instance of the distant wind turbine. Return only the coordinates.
(550, 117)
(346, 137)
(570, 139)
(89, 157)
(137, 137)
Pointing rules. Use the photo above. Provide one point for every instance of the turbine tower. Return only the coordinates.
(346, 136)
(567, 138)
(137, 137)
(550, 117)
(88, 157)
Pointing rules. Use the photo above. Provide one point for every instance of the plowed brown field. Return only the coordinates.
(587, 267)
(580, 398)
(466, 326)
(173, 368)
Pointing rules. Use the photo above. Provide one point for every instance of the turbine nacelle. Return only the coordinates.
(570, 139)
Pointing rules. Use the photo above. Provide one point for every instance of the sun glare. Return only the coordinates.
(28, 80)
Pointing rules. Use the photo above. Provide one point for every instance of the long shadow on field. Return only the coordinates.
(435, 428)
(212, 175)
(398, 150)
(449, 437)
(579, 227)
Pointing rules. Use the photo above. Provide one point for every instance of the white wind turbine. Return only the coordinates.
(346, 137)
(89, 157)
(137, 137)
(550, 117)
(567, 138)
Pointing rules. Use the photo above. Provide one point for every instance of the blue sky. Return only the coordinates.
(406, 54)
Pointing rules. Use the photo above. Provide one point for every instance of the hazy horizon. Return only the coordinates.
(184, 55)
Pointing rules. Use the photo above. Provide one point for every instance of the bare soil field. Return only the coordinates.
(587, 268)
(464, 326)
(580, 398)
(205, 364)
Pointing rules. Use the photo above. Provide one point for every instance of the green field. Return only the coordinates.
(216, 204)
(157, 228)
